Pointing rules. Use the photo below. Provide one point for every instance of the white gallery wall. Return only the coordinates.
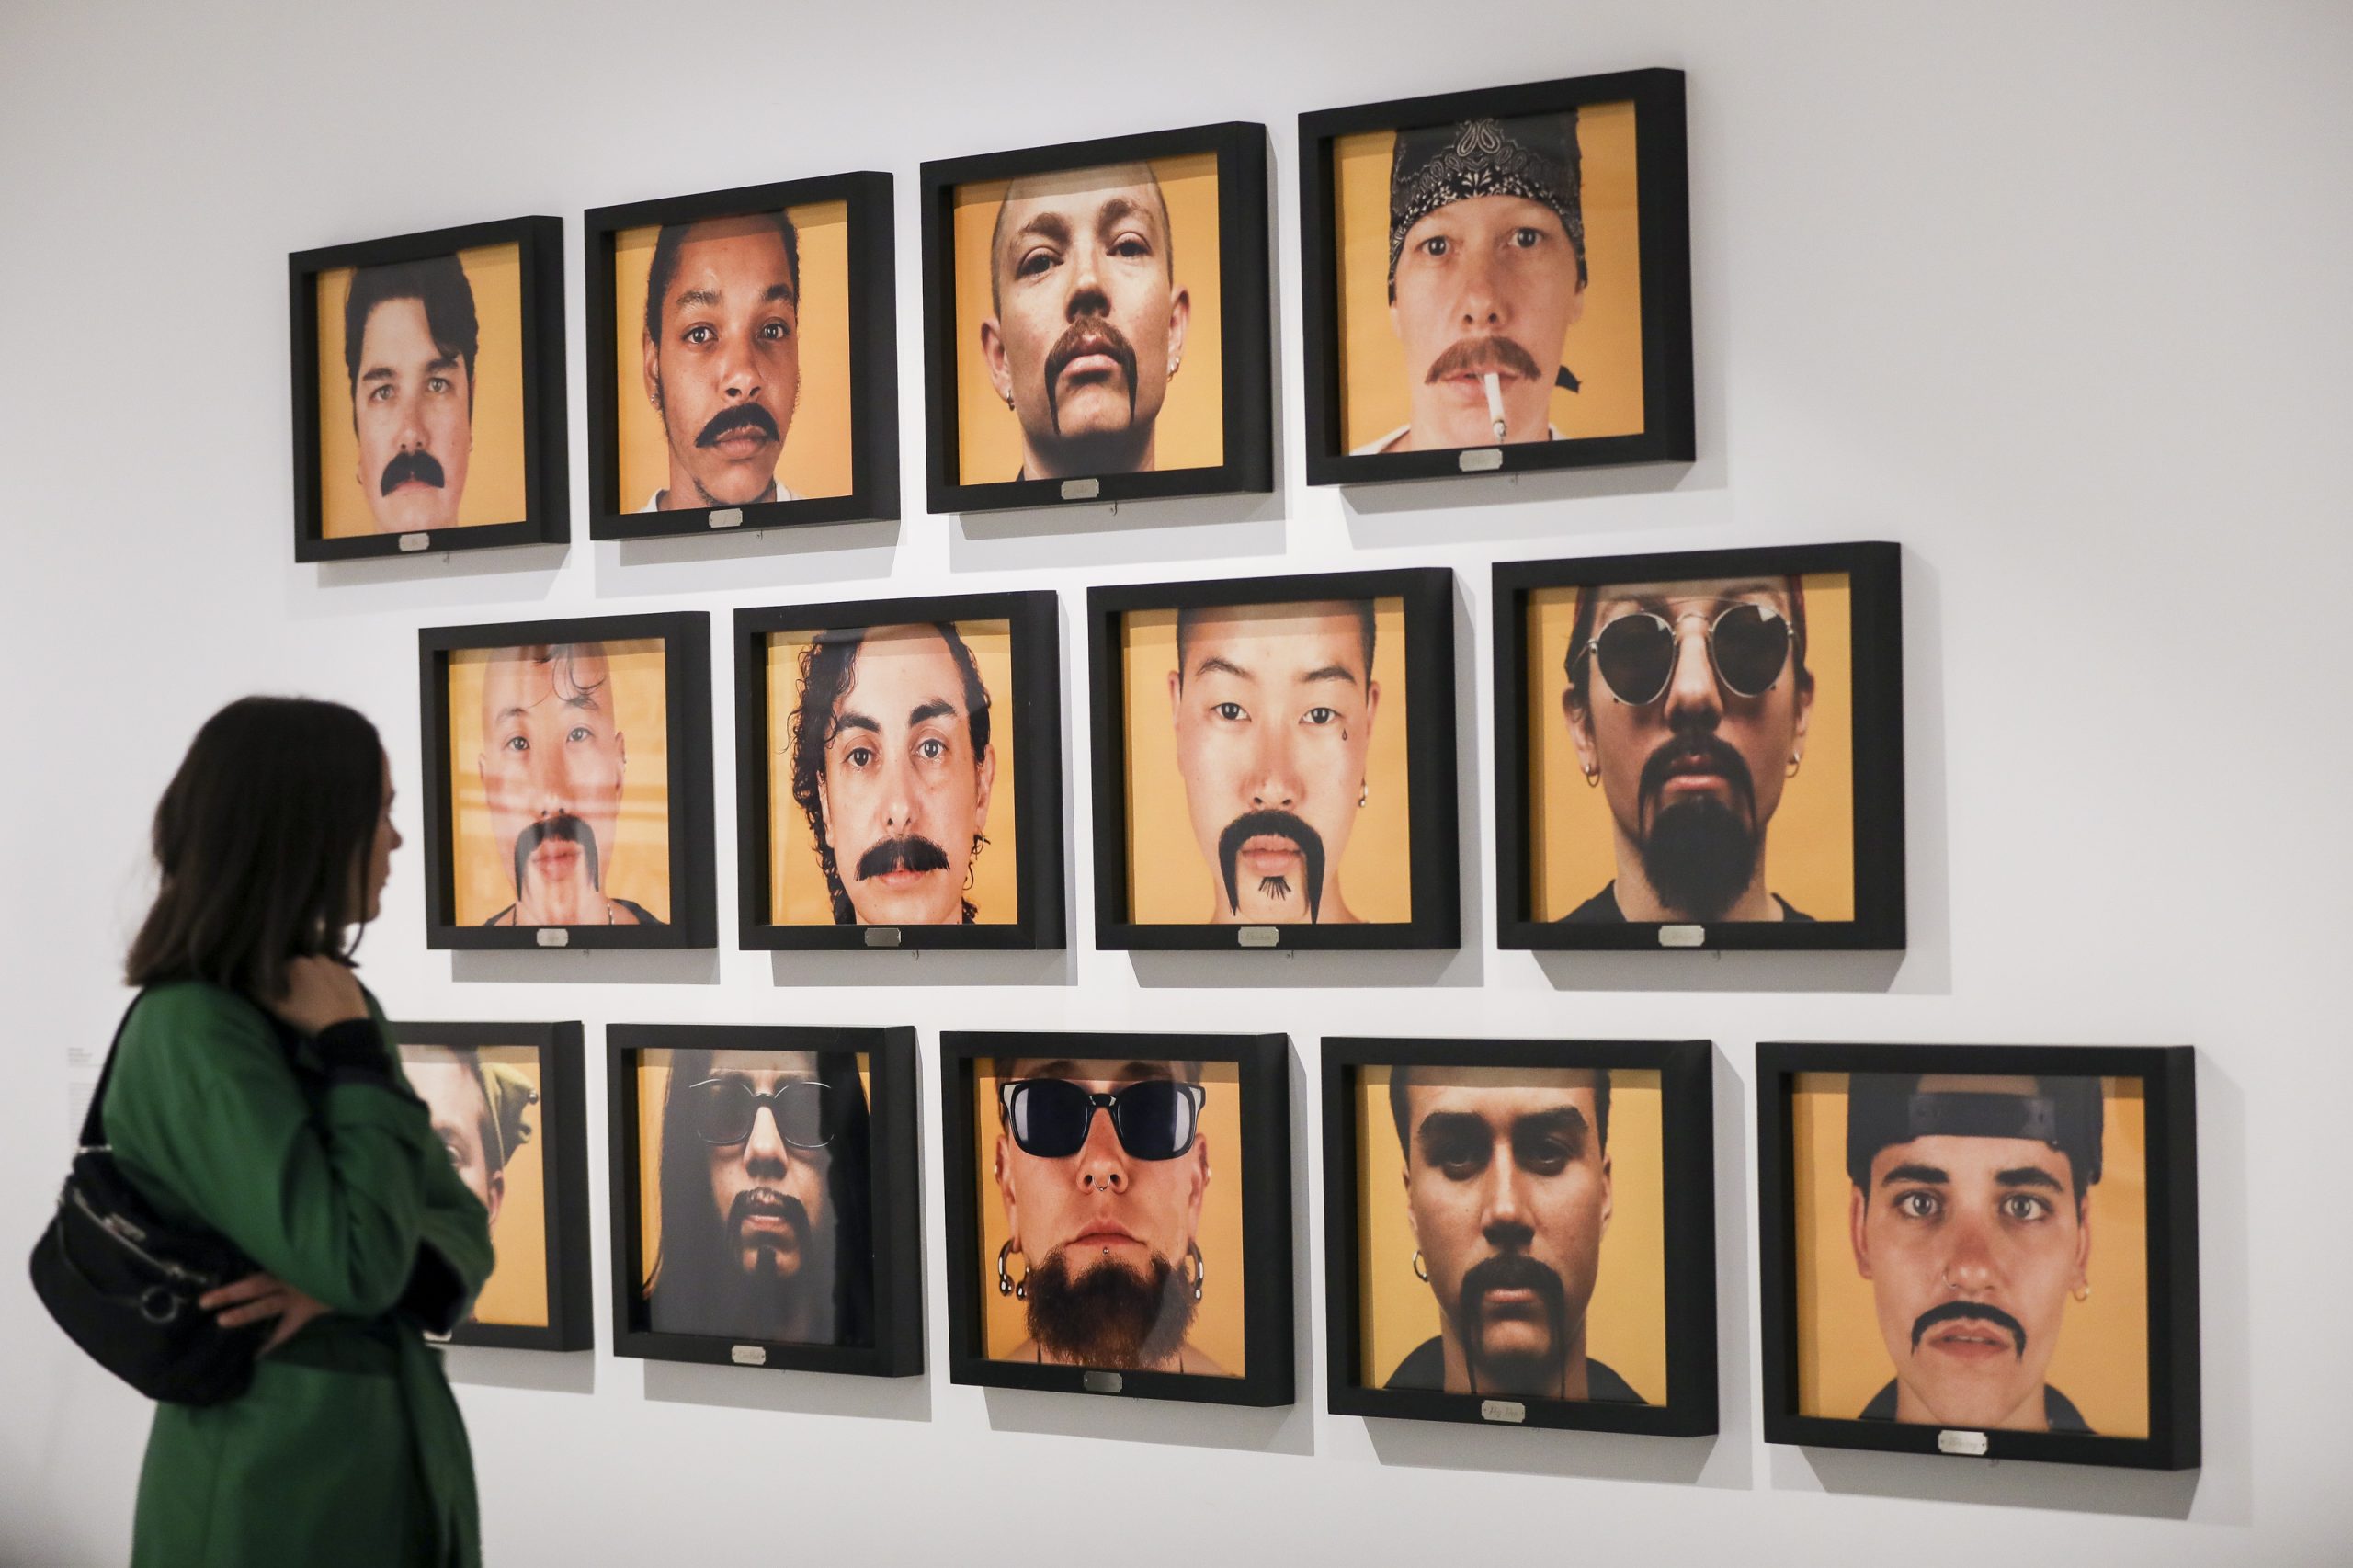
(2054, 295)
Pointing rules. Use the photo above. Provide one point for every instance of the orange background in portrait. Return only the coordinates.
(1604, 348)
(1169, 881)
(1809, 844)
(1626, 1319)
(816, 460)
(517, 1292)
(797, 887)
(1218, 1324)
(2102, 1362)
(639, 868)
(653, 1083)
(1191, 429)
(495, 476)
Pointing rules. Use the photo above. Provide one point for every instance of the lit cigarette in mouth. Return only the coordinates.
(1494, 401)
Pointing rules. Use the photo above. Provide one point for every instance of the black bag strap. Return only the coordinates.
(93, 1125)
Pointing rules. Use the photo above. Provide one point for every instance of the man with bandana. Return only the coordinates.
(1971, 1216)
(1486, 276)
(409, 337)
(1687, 704)
(722, 357)
(478, 1109)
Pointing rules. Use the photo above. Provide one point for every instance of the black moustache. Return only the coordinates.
(1271, 824)
(418, 466)
(1484, 353)
(742, 416)
(766, 1200)
(570, 830)
(1970, 1312)
(1708, 748)
(1089, 335)
(909, 854)
(1509, 1271)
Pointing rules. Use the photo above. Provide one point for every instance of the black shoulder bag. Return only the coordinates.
(123, 1283)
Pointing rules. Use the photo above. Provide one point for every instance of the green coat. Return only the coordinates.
(348, 1448)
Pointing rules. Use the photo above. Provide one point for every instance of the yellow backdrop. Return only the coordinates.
(1810, 844)
(1191, 432)
(2102, 1362)
(1626, 1320)
(1169, 881)
(639, 867)
(797, 894)
(516, 1292)
(1604, 349)
(494, 477)
(817, 457)
(1218, 1325)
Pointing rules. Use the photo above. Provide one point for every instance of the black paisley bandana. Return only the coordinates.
(1535, 157)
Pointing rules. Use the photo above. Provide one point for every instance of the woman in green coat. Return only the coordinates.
(255, 1091)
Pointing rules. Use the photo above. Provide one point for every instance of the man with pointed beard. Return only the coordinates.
(1971, 1216)
(1101, 1166)
(1688, 704)
(409, 337)
(551, 766)
(722, 351)
(1086, 320)
(1508, 1191)
(764, 1193)
(1274, 707)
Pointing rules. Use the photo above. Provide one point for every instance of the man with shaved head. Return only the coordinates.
(1087, 323)
(722, 357)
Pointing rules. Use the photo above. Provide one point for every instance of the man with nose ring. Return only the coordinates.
(552, 765)
(1274, 707)
(1971, 1216)
(722, 352)
(1688, 704)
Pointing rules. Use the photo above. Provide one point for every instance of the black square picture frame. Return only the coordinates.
(1029, 717)
(1686, 1071)
(2167, 1075)
(894, 1182)
(1264, 1082)
(1245, 346)
(873, 359)
(685, 638)
(1428, 601)
(546, 476)
(1876, 643)
(1664, 227)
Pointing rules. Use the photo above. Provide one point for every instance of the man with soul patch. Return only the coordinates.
(1274, 707)
(553, 755)
(1508, 1191)
(722, 351)
(409, 338)
(478, 1109)
(1688, 704)
(1971, 1216)
(1101, 1166)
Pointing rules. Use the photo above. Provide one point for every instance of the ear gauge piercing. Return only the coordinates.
(1421, 1270)
(1007, 1285)
(1200, 1268)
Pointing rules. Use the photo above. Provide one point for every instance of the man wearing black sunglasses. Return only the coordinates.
(764, 1199)
(1688, 704)
(1101, 1166)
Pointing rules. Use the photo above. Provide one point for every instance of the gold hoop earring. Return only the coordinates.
(1795, 761)
(1420, 1272)
(1200, 1268)
(1006, 1284)
(2082, 1292)
(1593, 778)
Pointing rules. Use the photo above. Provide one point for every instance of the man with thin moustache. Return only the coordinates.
(1508, 1190)
(1971, 1216)
(722, 357)
(892, 765)
(409, 338)
(764, 1208)
(1102, 1166)
(1486, 276)
(552, 767)
(1274, 707)
(1688, 704)
(478, 1112)
(1088, 320)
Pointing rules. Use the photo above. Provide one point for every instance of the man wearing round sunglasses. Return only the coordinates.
(1101, 1166)
(764, 1199)
(1688, 704)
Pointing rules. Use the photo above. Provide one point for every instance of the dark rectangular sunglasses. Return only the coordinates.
(724, 1111)
(1155, 1120)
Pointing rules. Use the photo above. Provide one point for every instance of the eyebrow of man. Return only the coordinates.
(846, 719)
(1329, 672)
(778, 291)
(1215, 665)
(700, 297)
(1927, 1175)
(1565, 1119)
(2029, 1175)
(1117, 210)
(378, 373)
(937, 707)
(442, 363)
(1050, 226)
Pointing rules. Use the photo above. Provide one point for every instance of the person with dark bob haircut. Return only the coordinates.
(255, 1092)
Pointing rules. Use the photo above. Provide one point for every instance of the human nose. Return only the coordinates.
(1503, 1217)
(1970, 1265)
(1274, 781)
(1485, 306)
(1691, 694)
(739, 371)
(1102, 1162)
(898, 795)
(410, 433)
(1087, 297)
(766, 1148)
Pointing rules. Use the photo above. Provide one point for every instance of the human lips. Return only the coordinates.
(1971, 1339)
(1694, 770)
(1268, 854)
(1104, 1233)
(555, 858)
(1090, 355)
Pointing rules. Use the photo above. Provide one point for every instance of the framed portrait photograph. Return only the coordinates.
(1701, 750)
(428, 392)
(1522, 1233)
(567, 777)
(1497, 280)
(1096, 320)
(1981, 1250)
(742, 360)
(510, 1103)
(899, 773)
(764, 1202)
(1119, 1213)
(1274, 762)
